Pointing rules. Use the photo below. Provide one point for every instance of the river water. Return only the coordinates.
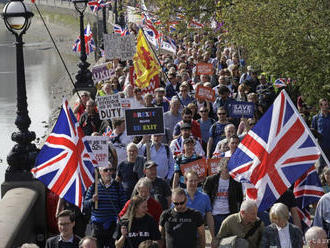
(44, 81)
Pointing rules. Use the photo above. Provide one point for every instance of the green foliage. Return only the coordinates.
(286, 38)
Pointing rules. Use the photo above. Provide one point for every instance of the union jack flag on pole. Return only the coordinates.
(89, 41)
(66, 163)
(275, 153)
(307, 190)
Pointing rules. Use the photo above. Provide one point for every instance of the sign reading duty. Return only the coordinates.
(144, 121)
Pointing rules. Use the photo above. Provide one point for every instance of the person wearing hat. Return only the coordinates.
(177, 145)
(160, 99)
(188, 155)
(111, 198)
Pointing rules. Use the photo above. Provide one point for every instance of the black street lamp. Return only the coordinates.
(104, 16)
(17, 18)
(84, 75)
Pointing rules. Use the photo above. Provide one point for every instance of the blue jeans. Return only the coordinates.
(218, 219)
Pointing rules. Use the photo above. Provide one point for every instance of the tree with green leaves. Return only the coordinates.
(285, 38)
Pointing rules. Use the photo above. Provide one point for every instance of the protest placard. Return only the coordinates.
(144, 121)
(99, 146)
(109, 107)
(241, 109)
(119, 47)
(205, 93)
(102, 72)
(213, 166)
(204, 69)
(199, 166)
(154, 82)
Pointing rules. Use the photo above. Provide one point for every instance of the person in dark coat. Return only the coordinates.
(281, 233)
(226, 199)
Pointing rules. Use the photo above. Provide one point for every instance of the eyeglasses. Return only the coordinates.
(221, 113)
(179, 203)
(203, 111)
(109, 170)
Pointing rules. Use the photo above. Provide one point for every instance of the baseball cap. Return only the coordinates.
(149, 164)
(189, 140)
(185, 126)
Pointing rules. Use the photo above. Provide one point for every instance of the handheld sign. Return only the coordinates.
(144, 121)
(204, 69)
(241, 109)
(205, 93)
(213, 166)
(99, 146)
(109, 107)
(198, 165)
(102, 72)
(119, 47)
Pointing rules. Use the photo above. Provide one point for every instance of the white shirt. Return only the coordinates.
(221, 204)
(284, 236)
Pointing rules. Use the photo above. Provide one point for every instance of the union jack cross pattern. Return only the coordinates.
(275, 153)
(65, 163)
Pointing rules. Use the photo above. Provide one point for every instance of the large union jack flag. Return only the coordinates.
(65, 163)
(89, 41)
(275, 153)
(307, 190)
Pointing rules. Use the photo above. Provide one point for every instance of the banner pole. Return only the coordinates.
(164, 73)
(96, 174)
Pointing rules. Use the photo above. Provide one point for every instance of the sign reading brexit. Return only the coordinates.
(241, 109)
(144, 121)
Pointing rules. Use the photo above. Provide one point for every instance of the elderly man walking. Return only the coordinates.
(245, 225)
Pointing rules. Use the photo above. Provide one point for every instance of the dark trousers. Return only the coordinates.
(104, 237)
(218, 219)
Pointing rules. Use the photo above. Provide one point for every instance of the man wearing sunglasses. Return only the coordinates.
(180, 225)
(111, 199)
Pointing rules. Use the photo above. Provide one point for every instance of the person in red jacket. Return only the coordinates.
(143, 187)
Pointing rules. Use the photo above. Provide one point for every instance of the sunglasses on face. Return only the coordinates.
(179, 203)
(221, 113)
(109, 170)
(203, 111)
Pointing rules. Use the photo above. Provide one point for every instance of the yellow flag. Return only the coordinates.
(145, 63)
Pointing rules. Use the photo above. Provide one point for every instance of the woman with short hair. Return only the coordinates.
(281, 233)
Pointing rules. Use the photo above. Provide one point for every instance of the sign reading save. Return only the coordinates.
(144, 121)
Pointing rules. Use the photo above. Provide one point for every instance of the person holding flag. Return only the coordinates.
(274, 153)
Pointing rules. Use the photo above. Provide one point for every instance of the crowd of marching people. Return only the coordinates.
(143, 199)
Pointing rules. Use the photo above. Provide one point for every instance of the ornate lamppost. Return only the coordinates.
(84, 75)
(17, 17)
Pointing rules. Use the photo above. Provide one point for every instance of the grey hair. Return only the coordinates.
(229, 126)
(132, 145)
(280, 211)
(248, 204)
(29, 245)
(315, 234)
(143, 182)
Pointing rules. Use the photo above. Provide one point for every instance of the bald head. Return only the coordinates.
(316, 237)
